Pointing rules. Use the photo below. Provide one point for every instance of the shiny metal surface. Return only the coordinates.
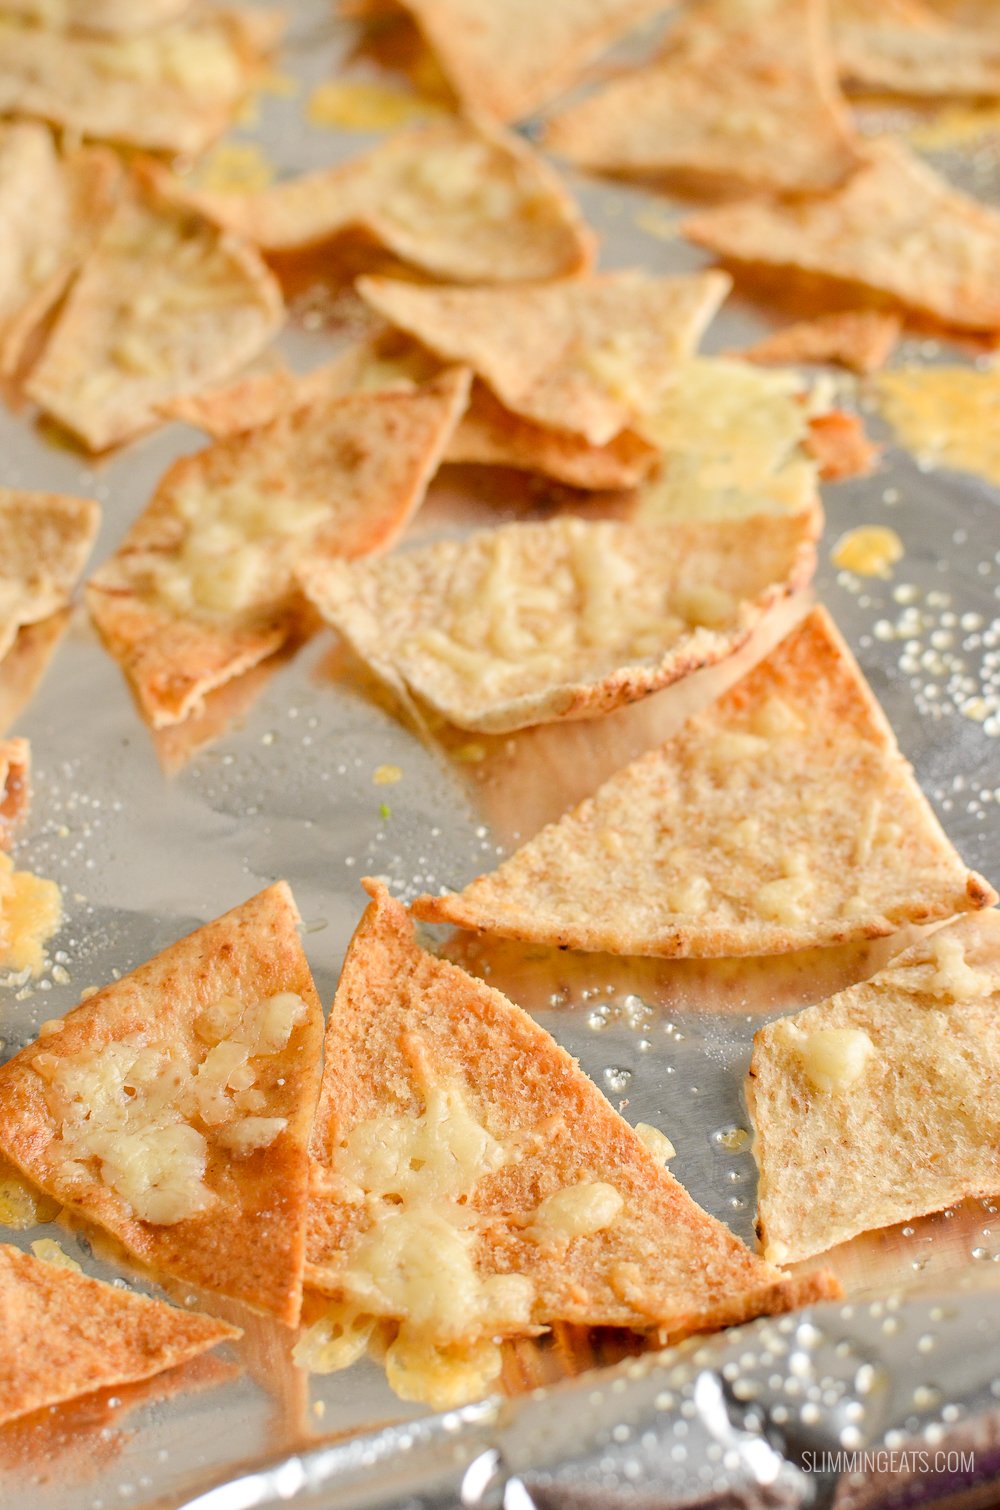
(149, 837)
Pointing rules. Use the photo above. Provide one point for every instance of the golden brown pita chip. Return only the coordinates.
(470, 1182)
(531, 623)
(202, 587)
(109, 18)
(783, 817)
(465, 203)
(506, 58)
(587, 355)
(46, 541)
(173, 1108)
(740, 94)
(51, 208)
(15, 786)
(896, 228)
(487, 434)
(66, 1334)
(882, 1103)
(861, 340)
(902, 47)
(165, 304)
(172, 90)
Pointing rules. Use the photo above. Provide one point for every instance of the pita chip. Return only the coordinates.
(66, 1334)
(883, 1103)
(486, 435)
(15, 786)
(783, 817)
(742, 93)
(531, 623)
(470, 1183)
(173, 1108)
(51, 208)
(861, 340)
(506, 58)
(586, 355)
(46, 541)
(902, 47)
(173, 89)
(202, 587)
(165, 304)
(839, 444)
(895, 228)
(465, 203)
(110, 18)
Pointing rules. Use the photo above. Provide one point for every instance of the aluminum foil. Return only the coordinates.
(150, 837)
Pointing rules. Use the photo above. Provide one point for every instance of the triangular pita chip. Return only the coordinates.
(465, 203)
(46, 541)
(471, 1183)
(15, 786)
(741, 93)
(586, 355)
(165, 304)
(505, 58)
(859, 339)
(896, 227)
(106, 18)
(173, 1108)
(902, 47)
(202, 587)
(172, 90)
(783, 817)
(565, 619)
(66, 1334)
(486, 435)
(51, 208)
(882, 1103)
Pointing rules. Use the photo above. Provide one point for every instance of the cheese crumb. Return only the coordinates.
(656, 1141)
(834, 1058)
(576, 1211)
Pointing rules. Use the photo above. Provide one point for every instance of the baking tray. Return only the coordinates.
(149, 838)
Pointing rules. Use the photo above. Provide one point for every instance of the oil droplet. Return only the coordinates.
(386, 775)
(732, 1139)
(926, 1397)
(869, 551)
(616, 1078)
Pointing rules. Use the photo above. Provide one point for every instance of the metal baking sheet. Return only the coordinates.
(148, 838)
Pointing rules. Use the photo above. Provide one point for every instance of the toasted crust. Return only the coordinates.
(543, 48)
(610, 612)
(66, 1335)
(47, 538)
(660, 862)
(467, 203)
(52, 208)
(859, 339)
(134, 90)
(895, 227)
(250, 1243)
(917, 1131)
(737, 96)
(360, 465)
(405, 1023)
(903, 47)
(584, 355)
(15, 786)
(113, 358)
(486, 435)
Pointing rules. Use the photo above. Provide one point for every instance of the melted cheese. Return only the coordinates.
(947, 416)
(30, 912)
(51, 1252)
(416, 1260)
(236, 541)
(357, 105)
(140, 1111)
(21, 1206)
(953, 976)
(576, 1211)
(834, 1058)
(657, 1142)
(869, 551)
